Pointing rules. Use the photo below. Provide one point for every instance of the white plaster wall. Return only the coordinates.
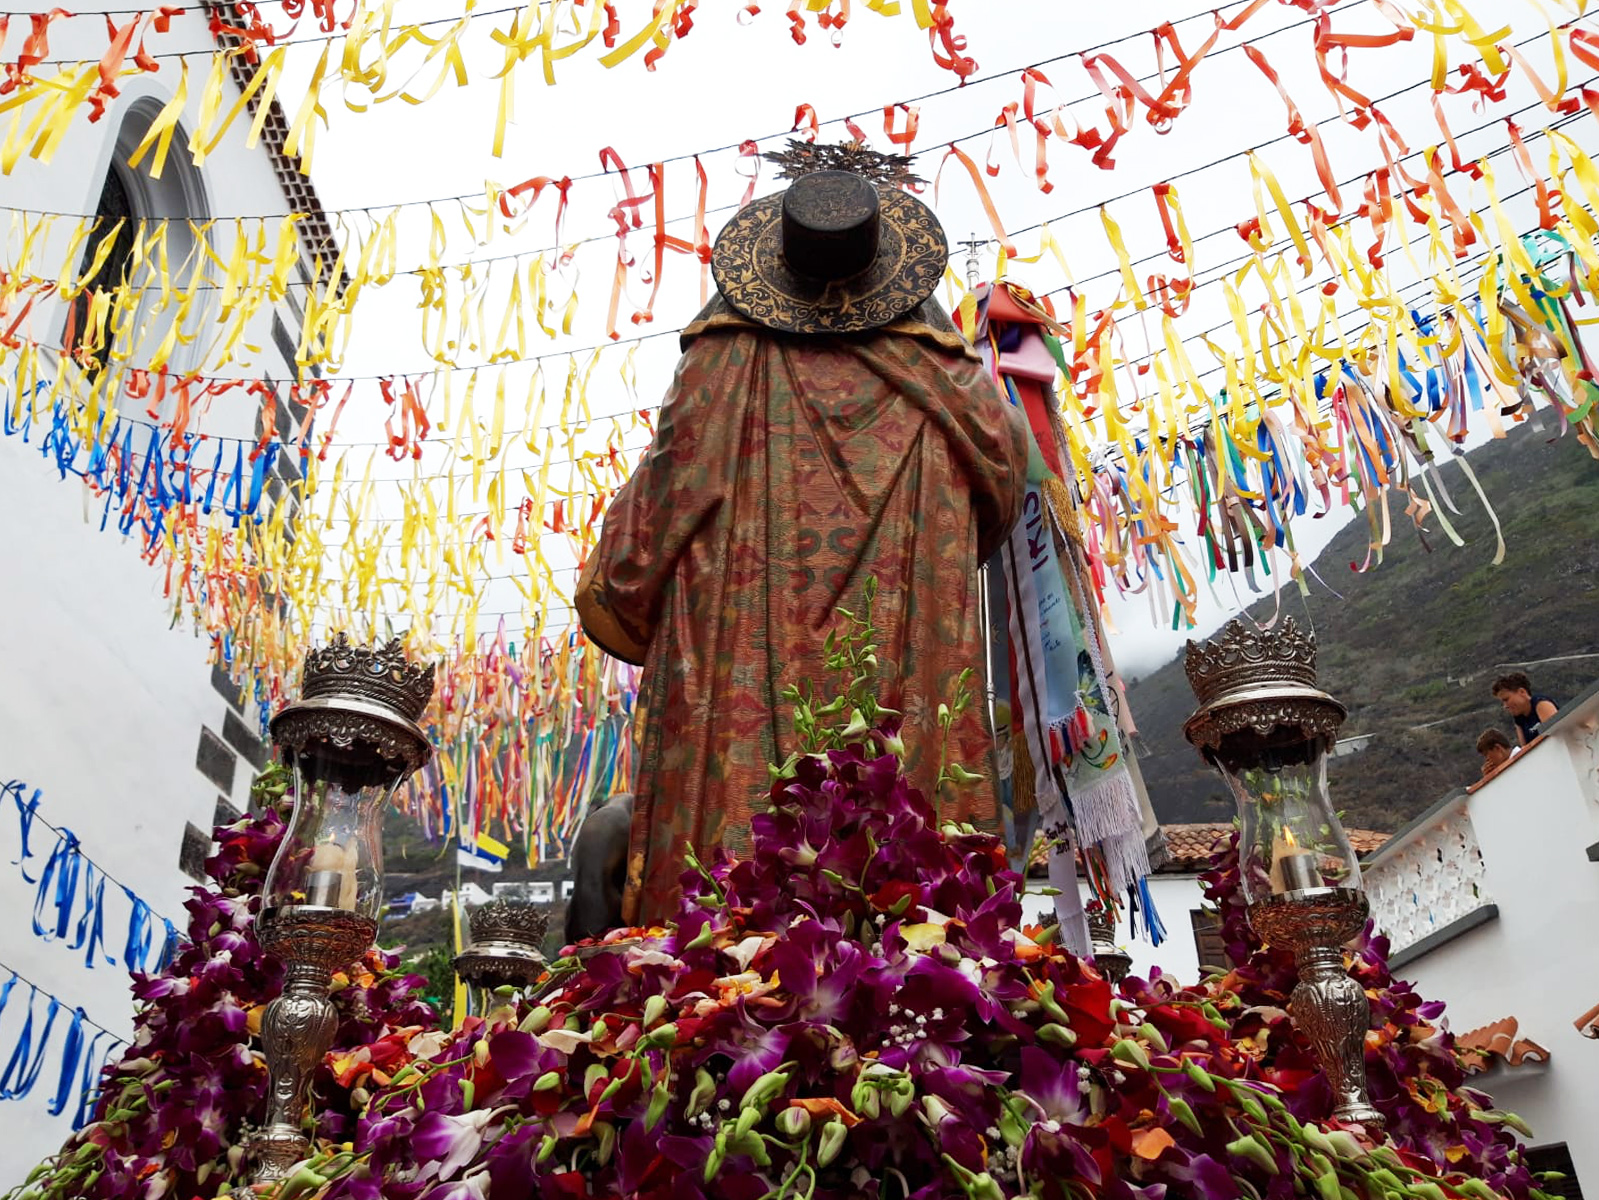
(101, 703)
(1175, 896)
(1537, 962)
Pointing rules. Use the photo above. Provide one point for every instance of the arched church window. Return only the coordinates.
(169, 213)
(92, 348)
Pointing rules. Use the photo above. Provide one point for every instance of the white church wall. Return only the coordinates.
(1176, 897)
(107, 714)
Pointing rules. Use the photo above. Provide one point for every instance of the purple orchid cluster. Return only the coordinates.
(1414, 1073)
(173, 1112)
(854, 1011)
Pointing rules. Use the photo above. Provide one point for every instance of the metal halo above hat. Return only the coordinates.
(834, 253)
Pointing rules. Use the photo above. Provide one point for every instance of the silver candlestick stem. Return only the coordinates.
(1328, 1005)
(298, 1026)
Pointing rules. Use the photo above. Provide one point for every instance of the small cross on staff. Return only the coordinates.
(974, 263)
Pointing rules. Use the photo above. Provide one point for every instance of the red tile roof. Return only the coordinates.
(1588, 1023)
(1481, 1048)
(1190, 847)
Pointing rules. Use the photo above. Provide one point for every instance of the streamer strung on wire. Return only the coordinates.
(61, 1032)
(77, 904)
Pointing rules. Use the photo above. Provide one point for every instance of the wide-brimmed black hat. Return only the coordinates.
(835, 253)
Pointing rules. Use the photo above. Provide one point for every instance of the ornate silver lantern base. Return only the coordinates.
(1328, 1005)
(299, 1025)
(1113, 963)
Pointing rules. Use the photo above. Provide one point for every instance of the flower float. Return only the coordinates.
(854, 1010)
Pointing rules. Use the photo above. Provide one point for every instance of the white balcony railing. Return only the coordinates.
(1431, 879)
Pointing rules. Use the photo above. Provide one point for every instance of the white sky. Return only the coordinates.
(728, 82)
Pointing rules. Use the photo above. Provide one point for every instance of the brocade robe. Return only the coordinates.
(785, 472)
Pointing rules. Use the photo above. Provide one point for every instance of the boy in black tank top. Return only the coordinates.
(1528, 710)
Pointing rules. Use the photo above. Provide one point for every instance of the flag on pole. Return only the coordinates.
(485, 853)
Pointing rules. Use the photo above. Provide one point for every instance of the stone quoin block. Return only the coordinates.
(192, 854)
(215, 761)
(239, 735)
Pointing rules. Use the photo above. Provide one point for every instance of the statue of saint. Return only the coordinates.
(827, 425)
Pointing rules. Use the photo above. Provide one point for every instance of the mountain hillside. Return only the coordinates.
(1414, 645)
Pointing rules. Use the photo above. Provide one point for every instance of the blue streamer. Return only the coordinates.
(83, 1059)
(63, 868)
(89, 1079)
(22, 1071)
(1153, 925)
(71, 1053)
(74, 887)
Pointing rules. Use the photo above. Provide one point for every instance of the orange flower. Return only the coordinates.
(1151, 1143)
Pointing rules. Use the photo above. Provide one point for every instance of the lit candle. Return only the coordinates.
(1293, 867)
(347, 880)
(330, 877)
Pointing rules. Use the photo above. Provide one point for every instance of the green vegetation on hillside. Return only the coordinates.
(1414, 644)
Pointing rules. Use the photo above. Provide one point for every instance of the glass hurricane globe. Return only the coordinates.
(1290, 838)
(331, 857)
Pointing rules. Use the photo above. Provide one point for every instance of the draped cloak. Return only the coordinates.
(784, 473)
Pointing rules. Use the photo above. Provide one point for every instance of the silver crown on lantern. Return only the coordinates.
(1112, 961)
(506, 937)
(1256, 680)
(351, 693)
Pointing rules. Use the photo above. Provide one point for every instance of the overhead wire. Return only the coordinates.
(877, 110)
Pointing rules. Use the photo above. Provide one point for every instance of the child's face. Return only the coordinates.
(1517, 703)
(1495, 756)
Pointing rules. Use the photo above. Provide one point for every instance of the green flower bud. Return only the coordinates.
(1129, 1051)
(1181, 1110)
(1345, 1144)
(1057, 1034)
(1255, 1151)
(654, 1009)
(661, 1035)
(659, 1099)
(794, 1122)
(765, 1088)
(1314, 1137)
(606, 1132)
(832, 1141)
(713, 1164)
(870, 1104)
(704, 1092)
